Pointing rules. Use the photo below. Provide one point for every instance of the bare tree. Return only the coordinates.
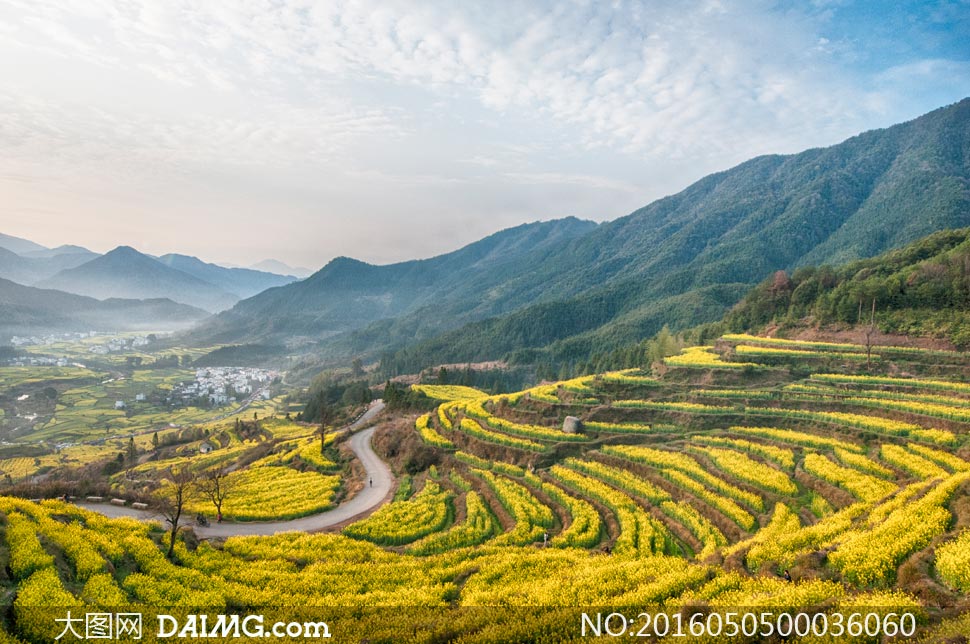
(326, 417)
(177, 486)
(216, 486)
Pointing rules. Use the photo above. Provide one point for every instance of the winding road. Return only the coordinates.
(371, 496)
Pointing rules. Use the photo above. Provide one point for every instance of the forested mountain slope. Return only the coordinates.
(922, 289)
(348, 294)
(564, 291)
(686, 259)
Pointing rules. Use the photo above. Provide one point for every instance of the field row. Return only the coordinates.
(295, 569)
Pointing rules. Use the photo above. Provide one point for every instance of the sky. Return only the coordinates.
(240, 130)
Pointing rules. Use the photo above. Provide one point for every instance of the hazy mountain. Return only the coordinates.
(66, 249)
(32, 311)
(29, 269)
(19, 245)
(126, 273)
(241, 282)
(348, 294)
(278, 267)
(16, 268)
(26, 262)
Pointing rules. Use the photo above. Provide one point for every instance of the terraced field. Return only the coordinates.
(11, 377)
(75, 420)
(699, 484)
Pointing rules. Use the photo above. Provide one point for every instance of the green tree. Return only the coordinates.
(132, 452)
(357, 368)
(663, 344)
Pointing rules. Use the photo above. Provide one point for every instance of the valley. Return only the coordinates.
(61, 412)
(750, 397)
(699, 482)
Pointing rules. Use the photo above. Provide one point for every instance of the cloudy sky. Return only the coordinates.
(238, 130)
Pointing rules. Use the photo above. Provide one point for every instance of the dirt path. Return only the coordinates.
(377, 490)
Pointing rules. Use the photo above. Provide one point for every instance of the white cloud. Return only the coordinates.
(927, 70)
(586, 108)
(624, 73)
(564, 179)
(70, 136)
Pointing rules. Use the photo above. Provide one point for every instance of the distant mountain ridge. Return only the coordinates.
(64, 249)
(347, 294)
(19, 245)
(127, 273)
(680, 260)
(278, 267)
(34, 266)
(240, 282)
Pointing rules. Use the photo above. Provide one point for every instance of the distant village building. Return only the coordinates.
(220, 385)
(140, 397)
(119, 404)
(206, 447)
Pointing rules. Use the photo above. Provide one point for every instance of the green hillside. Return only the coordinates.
(687, 258)
(758, 476)
(922, 289)
(348, 294)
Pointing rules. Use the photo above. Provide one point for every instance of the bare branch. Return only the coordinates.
(216, 485)
(177, 485)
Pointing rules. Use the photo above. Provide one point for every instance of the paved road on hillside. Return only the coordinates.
(365, 500)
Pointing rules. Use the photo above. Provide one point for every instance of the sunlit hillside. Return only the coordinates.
(698, 483)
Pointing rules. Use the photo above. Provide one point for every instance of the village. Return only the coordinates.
(49, 339)
(116, 344)
(41, 361)
(113, 344)
(222, 386)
